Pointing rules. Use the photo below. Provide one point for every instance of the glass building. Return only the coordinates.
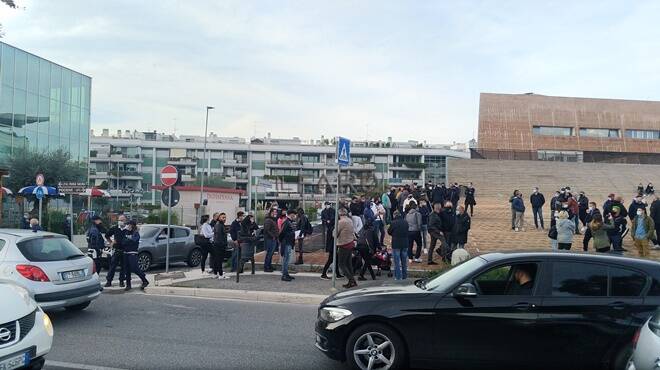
(43, 106)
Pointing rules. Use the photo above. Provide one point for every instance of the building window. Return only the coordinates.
(285, 157)
(600, 132)
(552, 131)
(310, 158)
(560, 156)
(283, 172)
(643, 134)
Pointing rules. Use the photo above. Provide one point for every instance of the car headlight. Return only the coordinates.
(48, 325)
(333, 314)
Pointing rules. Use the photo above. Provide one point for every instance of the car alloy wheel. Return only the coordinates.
(144, 261)
(195, 258)
(374, 351)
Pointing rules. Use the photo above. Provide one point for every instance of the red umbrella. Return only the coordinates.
(96, 192)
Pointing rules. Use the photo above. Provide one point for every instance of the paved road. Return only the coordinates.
(137, 331)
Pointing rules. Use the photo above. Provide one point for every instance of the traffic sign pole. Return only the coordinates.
(71, 214)
(343, 159)
(169, 230)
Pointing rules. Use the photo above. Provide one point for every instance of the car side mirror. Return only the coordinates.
(466, 290)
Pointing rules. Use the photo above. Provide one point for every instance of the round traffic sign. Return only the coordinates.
(40, 179)
(169, 175)
(171, 202)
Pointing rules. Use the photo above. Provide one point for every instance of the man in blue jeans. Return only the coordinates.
(399, 231)
(233, 232)
(270, 238)
(287, 238)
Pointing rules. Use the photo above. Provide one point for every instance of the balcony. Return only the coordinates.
(407, 166)
(363, 166)
(281, 163)
(116, 158)
(185, 161)
(236, 162)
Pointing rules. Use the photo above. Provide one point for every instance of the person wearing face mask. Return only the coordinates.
(583, 205)
(131, 242)
(574, 209)
(620, 229)
(649, 189)
(636, 204)
(519, 207)
(607, 206)
(553, 203)
(642, 231)
(470, 200)
(640, 189)
(447, 218)
(592, 211)
(459, 232)
(114, 236)
(537, 200)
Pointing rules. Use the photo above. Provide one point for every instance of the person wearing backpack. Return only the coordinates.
(366, 245)
(304, 229)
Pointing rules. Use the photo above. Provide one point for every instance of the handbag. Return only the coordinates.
(200, 240)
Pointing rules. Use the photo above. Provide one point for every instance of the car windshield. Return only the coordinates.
(148, 231)
(449, 278)
(48, 249)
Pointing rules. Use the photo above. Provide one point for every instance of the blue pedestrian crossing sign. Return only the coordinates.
(39, 193)
(343, 151)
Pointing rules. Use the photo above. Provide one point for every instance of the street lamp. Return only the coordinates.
(201, 189)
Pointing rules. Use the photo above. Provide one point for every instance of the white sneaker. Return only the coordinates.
(517, 229)
(418, 260)
(223, 277)
(426, 251)
(209, 271)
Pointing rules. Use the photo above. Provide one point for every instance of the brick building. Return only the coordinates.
(539, 127)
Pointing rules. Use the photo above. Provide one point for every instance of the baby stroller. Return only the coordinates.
(383, 260)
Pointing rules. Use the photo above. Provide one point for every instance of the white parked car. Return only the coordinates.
(647, 347)
(53, 270)
(26, 333)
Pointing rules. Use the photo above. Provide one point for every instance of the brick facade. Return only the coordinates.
(506, 122)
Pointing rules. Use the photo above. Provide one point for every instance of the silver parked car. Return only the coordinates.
(153, 244)
(647, 348)
(53, 270)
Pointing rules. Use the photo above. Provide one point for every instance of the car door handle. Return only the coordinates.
(618, 305)
(523, 306)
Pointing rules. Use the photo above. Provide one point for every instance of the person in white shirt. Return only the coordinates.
(357, 223)
(207, 247)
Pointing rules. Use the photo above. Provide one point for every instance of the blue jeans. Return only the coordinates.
(380, 227)
(400, 263)
(425, 230)
(270, 250)
(286, 255)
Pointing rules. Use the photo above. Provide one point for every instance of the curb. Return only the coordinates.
(244, 295)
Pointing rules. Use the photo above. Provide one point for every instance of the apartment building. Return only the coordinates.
(289, 171)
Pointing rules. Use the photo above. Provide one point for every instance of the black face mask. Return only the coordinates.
(448, 208)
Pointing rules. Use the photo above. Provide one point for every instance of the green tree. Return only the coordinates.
(55, 166)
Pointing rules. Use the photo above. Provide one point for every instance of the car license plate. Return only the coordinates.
(71, 275)
(15, 362)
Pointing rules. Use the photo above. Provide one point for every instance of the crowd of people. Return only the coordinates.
(573, 213)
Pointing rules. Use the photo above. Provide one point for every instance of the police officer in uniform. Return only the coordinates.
(130, 244)
(95, 240)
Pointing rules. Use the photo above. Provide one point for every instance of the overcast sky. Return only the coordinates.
(406, 69)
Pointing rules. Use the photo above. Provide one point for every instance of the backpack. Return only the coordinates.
(363, 241)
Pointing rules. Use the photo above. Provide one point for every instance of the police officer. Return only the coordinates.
(130, 244)
(114, 237)
(95, 240)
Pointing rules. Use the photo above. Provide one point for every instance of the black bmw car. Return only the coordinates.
(501, 311)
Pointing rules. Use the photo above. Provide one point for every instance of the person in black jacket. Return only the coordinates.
(655, 215)
(470, 200)
(305, 229)
(649, 190)
(438, 194)
(220, 245)
(459, 232)
(130, 243)
(620, 229)
(356, 207)
(583, 206)
(328, 219)
(435, 230)
(448, 220)
(95, 240)
(399, 231)
(114, 237)
(247, 239)
(636, 204)
(287, 239)
(454, 196)
(537, 200)
(234, 229)
(592, 211)
(367, 242)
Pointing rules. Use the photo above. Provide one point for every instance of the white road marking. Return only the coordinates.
(69, 365)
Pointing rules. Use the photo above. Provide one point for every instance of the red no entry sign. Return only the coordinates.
(168, 175)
